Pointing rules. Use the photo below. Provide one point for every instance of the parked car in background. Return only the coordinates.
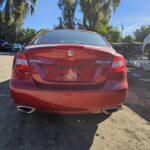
(1, 45)
(129, 50)
(120, 47)
(146, 46)
(5, 46)
(17, 47)
(69, 72)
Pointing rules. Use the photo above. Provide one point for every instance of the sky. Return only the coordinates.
(132, 13)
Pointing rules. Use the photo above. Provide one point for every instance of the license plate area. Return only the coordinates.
(69, 73)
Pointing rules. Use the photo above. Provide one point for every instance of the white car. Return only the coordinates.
(146, 46)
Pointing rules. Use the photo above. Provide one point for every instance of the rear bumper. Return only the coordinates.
(68, 102)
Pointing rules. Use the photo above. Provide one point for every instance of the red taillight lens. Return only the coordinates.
(21, 68)
(118, 64)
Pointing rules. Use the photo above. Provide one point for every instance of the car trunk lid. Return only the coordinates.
(69, 64)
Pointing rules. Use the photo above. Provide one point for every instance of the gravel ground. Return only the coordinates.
(126, 129)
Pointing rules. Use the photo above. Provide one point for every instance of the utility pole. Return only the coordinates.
(122, 29)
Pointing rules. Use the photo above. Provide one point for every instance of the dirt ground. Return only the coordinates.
(128, 129)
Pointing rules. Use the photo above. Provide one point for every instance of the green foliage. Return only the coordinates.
(96, 16)
(68, 8)
(128, 39)
(96, 13)
(113, 35)
(26, 35)
(141, 33)
(12, 14)
(102, 29)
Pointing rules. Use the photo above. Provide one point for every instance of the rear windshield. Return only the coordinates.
(70, 37)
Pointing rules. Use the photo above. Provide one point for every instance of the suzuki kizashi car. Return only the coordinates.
(69, 72)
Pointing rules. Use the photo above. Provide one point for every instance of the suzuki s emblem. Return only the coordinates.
(70, 53)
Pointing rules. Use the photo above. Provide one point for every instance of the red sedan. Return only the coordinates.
(69, 72)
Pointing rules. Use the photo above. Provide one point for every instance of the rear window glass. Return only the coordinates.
(70, 37)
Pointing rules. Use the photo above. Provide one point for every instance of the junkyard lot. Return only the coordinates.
(126, 129)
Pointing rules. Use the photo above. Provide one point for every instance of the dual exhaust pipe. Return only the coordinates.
(29, 110)
(26, 109)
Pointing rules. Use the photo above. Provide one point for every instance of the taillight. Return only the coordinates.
(118, 64)
(21, 69)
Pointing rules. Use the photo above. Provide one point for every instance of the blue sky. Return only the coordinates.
(132, 13)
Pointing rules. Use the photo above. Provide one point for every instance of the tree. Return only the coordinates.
(26, 35)
(96, 13)
(14, 12)
(61, 24)
(141, 33)
(2, 35)
(68, 8)
(128, 39)
(113, 35)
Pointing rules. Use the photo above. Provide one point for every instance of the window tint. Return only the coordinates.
(70, 37)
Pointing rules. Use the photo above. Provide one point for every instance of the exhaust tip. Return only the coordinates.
(26, 109)
(109, 111)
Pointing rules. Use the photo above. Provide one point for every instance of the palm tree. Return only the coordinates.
(14, 13)
(96, 12)
(19, 12)
(68, 8)
(1, 20)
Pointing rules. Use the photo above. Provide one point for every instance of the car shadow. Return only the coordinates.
(19, 131)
